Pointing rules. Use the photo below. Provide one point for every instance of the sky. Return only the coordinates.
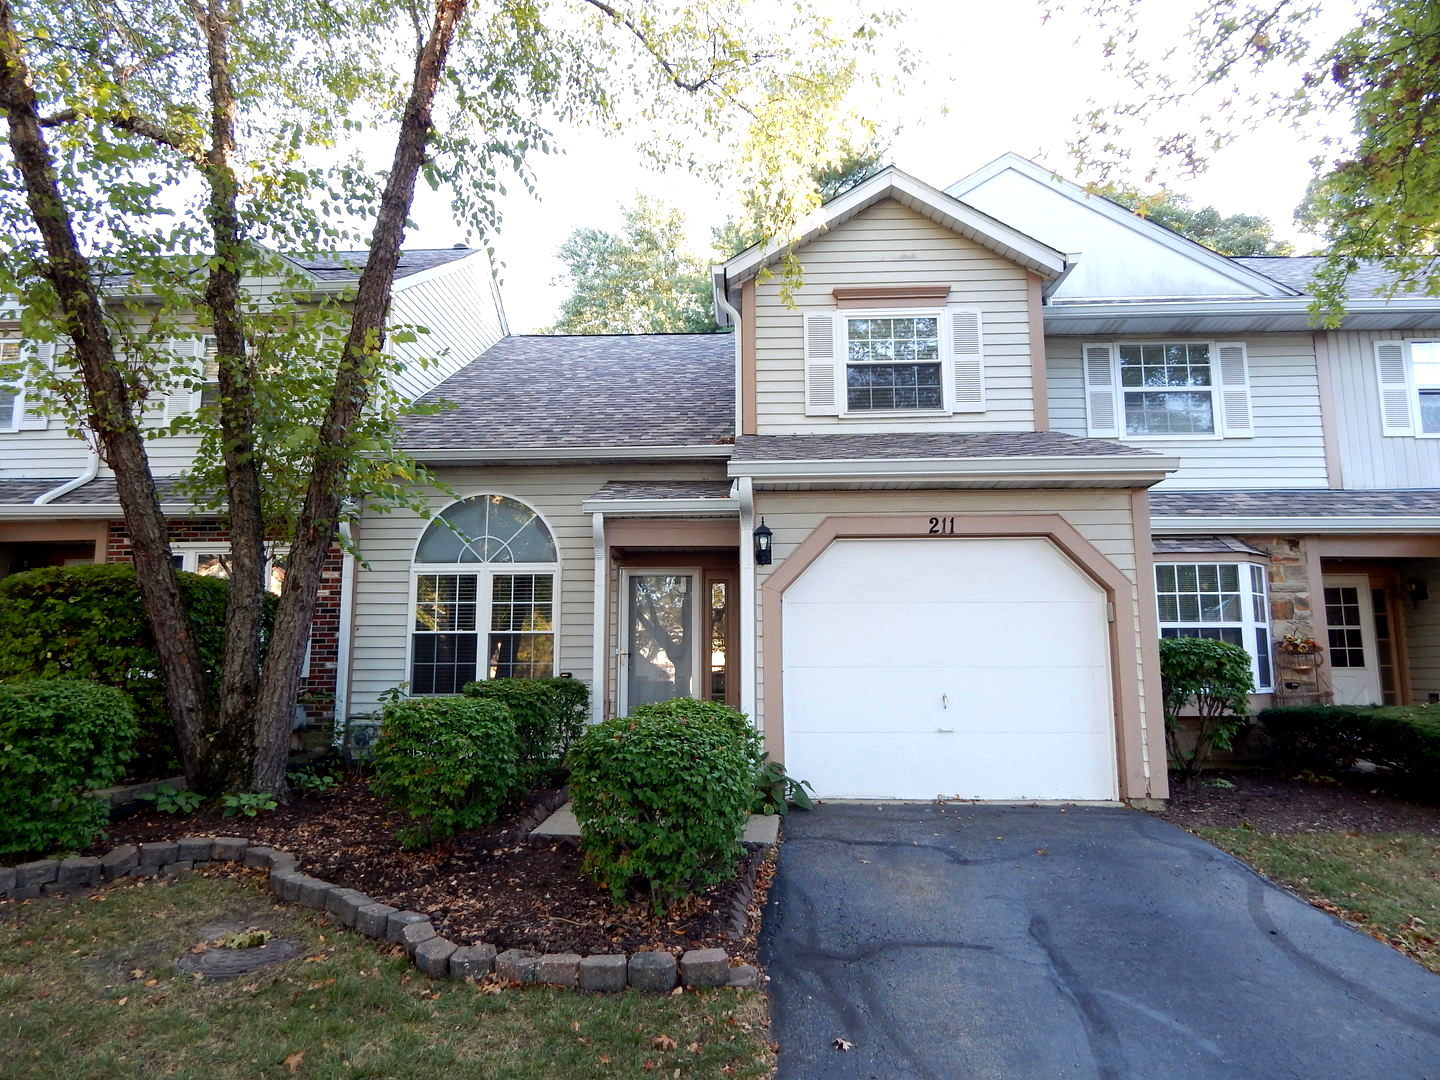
(997, 77)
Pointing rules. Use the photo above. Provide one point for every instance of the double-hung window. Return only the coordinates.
(1222, 601)
(484, 596)
(893, 363)
(12, 387)
(1409, 375)
(1167, 390)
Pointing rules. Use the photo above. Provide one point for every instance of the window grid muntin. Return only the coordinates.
(1343, 618)
(1223, 601)
(894, 363)
(1424, 361)
(1167, 389)
(12, 387)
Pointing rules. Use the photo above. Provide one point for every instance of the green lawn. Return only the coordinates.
(89, 989)
(1386, 883)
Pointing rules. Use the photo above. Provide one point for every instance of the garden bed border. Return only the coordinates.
(655, 971)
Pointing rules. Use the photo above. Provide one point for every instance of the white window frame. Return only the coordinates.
(1417, 427)
(1254, 609)
(484, 574)
(191, 551)
(944, 361)
(1217, 417)
(699, 616)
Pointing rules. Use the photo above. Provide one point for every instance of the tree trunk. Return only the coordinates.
(319, 519)
(111, 416)
(229, 764)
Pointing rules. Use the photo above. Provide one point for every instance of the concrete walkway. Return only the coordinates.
(1008, 942)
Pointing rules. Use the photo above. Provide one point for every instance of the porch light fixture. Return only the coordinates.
(762, 544)
(1417, 589)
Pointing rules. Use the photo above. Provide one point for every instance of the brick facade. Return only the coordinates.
(317, 689)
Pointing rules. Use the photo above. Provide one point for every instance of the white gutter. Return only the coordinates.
(1328, 523)
(87, 510)
(1066, 310)
(745, 493)
(659, 507)
(1078, 467)
(600, 665)
(341, 718)
(463, 456)
(732, 319)
(91, 470)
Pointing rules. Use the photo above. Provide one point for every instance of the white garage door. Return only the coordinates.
(976, 669)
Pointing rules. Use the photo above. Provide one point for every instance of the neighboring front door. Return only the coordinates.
(1354, 656)
(658, 658)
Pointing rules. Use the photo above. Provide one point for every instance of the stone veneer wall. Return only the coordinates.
(317, 690)
(1294, 600)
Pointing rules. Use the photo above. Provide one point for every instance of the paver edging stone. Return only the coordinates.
(654, 971)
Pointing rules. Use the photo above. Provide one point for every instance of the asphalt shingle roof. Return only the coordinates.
(918, 446)
(601, 390)
(1200, 545)
(1297, 270)
(626, 490)
(346, 265)
(1307, 502)
(100, 492)
(19, 492)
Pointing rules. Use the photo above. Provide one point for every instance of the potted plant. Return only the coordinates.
(1302, 653)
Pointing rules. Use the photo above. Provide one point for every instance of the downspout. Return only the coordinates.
(732, 316)
(340, 722)
(91, 470)
(600, 671)
(745, 494)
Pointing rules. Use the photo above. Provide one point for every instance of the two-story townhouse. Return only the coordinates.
(58, 502)
(926, 512)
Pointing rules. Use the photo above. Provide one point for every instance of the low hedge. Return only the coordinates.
(59, 738)
(87, 622)
(449, 763)
(662, 796)
(1330, 738)
(549, 716)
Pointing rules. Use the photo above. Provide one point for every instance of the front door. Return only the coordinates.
(658, 658)
(1354, 655)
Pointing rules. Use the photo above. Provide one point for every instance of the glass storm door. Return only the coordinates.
(657, 654)
(1354, 656)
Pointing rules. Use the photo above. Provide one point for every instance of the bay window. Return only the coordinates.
(1223, 601)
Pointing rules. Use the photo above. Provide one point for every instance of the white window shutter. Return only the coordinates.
(1392, 368)
(1234, 367)
(1102, 405)
(33, 416)
(180, 399)
(821, 363)
(967, 358)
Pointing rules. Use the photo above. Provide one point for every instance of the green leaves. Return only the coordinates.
(1209, 683)
(61, 738)
(662, 796)
(549, 715)
(449, 763)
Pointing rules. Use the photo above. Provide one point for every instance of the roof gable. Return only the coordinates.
(1116, 253)
(929, 202)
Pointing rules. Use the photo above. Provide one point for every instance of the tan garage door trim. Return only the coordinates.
(1124, 674)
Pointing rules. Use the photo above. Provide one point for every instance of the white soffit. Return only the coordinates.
(1120, 254)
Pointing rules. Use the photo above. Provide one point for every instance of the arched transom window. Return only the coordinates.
(485, 575)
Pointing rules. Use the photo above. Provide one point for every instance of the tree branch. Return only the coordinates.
(132, 125)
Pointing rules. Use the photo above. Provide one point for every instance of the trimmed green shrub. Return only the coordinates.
(549, 716)
(731, 720)
(1405, 739)
(662, 796)
(1211, 682)
(59, 738)
(450, 763)
(87, 622)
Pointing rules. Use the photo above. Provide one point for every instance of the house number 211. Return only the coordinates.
(942, 526)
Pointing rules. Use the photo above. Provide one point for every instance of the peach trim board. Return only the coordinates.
(663, 533)
(1155, 759)
(1377, 547)
(1126, 714)
(57, 532)
(1039, 378)
(860, 296)
(1329, 431)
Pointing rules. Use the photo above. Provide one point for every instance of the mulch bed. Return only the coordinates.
(1273, 803)
(479, 886)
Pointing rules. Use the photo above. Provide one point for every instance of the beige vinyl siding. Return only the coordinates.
(460, 308)
(383, 618)
(1369, 459)
(1287, 449)
(892, 245)
(1422, 632)
(1103, 517)
(34, 455)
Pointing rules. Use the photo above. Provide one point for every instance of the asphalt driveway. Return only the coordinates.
(1030, 942)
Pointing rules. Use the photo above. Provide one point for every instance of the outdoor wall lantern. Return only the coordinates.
(762, 544)
(1417, 589)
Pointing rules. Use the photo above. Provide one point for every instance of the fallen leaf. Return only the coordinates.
(122, 1001)
(1041, 851)
(604, 1059)
(843, 1045)
(137, 973)
(693, 1048)
(294, 1061)
(574, 1025)
(151, 982)
(663, 1042)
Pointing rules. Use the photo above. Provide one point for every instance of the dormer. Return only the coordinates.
(915, 312)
